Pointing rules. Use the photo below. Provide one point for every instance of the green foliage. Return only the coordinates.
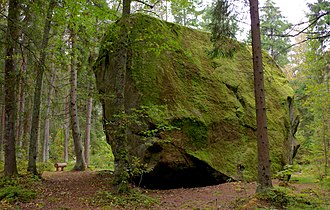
(223, 27)
(134, 198)
(137, 169)
(185, 12)
(101, 157)
(285, 173)
(20, 188)
(16, 193)
(273, 25)
(196, 130)
(285, 198)
(319, 16)
(278, 197)
(325, 183)
(312, 89)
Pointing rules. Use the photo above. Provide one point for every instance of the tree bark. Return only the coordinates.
(32, 164)
(78, 148)
(88, 129)
(2, 131)
(20, 118)
(264, 173)
(120, 150)
(10, 86)
(46, 142)
(66, 128)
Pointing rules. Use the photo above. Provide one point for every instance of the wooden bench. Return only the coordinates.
(60, 165)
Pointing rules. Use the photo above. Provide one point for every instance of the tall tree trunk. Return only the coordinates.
(78, 148)
(2, 131)
(264, 173)
(21, 115)
(32, 165)
(326, 124)
(66, 128)
(120, 151)
(10, 84)
(88, 129)
(45, 152)
(27, 124)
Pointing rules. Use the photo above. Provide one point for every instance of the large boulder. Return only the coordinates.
(191, 117)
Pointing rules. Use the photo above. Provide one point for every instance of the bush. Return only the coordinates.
(277, 196)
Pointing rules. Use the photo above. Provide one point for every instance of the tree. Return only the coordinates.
(223, 28)
(80, 159)
(45, 153)
(320, 21)
(88, 130)
(40, 68)
(273, 29)
(10, 81)
(311, 83)
(66, 126)
(185, 12)
(264, 173)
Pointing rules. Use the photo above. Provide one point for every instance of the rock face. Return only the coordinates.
(192, 117)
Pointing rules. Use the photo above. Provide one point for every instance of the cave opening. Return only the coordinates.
(171, 176)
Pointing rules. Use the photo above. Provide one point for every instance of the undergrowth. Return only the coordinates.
(286, 198)
(134, 198)
(17, 189)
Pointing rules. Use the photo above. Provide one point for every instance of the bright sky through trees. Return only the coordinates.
(293, 10)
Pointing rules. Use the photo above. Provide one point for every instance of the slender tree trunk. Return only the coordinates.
(10, 85)
(88, 129)
(27, 122)
(326, 125)
(66, 128)
(21, 115)
(264, 173)
(45, 152)
(2, 131)
(32, 165)
(78, 147)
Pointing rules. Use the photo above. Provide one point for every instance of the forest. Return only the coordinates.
(164, 104)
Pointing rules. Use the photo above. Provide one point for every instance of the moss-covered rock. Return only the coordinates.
(191, 114)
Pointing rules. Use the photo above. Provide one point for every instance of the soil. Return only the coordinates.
(78, 190)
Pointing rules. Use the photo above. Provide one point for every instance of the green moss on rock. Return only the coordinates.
(211, 100)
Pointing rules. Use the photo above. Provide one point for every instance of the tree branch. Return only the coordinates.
(147, 4)
(313, 21)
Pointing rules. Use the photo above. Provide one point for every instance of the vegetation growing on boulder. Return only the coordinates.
(210, 100)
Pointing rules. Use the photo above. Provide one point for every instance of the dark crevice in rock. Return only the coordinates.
(250, 127)
(237, 95)
(170, 176)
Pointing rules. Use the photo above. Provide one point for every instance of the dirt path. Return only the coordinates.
(222, 196)
(77, 190)
(68, 190)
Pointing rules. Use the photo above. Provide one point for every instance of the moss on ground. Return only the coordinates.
(210, 99)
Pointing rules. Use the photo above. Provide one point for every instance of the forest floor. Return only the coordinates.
(92, 190)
